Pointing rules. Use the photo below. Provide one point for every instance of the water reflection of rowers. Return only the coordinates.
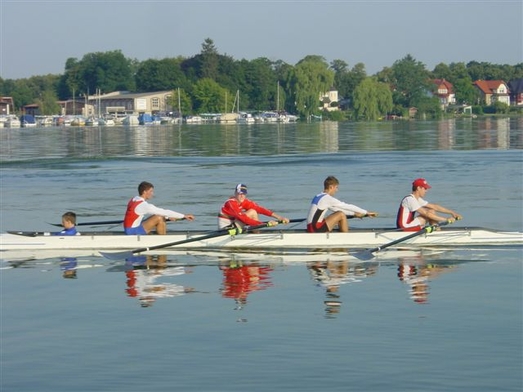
(142, 276)
(239, 280)
(416, 273)
(332, 274)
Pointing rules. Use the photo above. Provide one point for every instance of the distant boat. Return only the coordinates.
(131, 119)
(246, 118)
(12, 122)
(229, 117)
(78, 121)
(44, 121)
(193, 120)
(106, 121)
(148, 119)
(27, 121)
(92, 122)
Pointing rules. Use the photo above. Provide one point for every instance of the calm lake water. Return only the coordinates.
(432, 320)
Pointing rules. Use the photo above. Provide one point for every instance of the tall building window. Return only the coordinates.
(155, 103)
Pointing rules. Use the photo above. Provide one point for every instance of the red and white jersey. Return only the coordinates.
(137, 208)
(232, 210)
(406, 218)
(324, 202)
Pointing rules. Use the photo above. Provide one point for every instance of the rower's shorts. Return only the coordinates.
(318, 228)
(135, 230)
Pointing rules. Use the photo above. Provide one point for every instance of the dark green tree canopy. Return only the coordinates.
(262, 84)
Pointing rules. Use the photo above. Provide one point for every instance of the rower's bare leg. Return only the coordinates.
(338, 218)
(155, 222)
(252, 214)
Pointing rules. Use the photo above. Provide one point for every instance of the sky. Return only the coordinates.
(38, 36)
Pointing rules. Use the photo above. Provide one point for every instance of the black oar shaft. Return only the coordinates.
(369, 253)
(226, 231)
(101, 223)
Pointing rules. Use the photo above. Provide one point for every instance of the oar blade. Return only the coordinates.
(364, 255)
(117, 255)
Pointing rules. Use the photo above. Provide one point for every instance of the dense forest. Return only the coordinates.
(206, 79)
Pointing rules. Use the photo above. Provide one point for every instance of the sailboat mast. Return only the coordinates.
(179, 104)
(278, 97)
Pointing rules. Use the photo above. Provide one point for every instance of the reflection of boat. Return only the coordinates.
(270, 238)
(176, 257)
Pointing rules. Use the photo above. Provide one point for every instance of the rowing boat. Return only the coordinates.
(271, 238)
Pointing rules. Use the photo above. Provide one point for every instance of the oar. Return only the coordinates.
(117, 222)
(368, 254)
(226, 231)
(102, 223)
(99, 223)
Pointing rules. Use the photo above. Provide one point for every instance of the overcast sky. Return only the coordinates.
(38, 36)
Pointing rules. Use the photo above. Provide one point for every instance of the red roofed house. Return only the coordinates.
(445, 92)
(493, 91)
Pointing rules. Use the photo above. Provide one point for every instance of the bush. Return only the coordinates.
(337, 115)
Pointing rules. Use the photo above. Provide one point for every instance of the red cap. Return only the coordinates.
(421, 182)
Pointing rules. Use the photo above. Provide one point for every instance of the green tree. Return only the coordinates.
(428, 107)
(155, 75)
(410, 82)
(372, 99)
(465, 91)
(442, 71)
(23, 94)
(108, 71)
(209, 96)
(71, 80)
(48, 103)
(356, 75)
(311, 77)
(182, 104)
(259, 81)
(208, 60)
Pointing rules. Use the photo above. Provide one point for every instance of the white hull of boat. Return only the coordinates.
(267, 239)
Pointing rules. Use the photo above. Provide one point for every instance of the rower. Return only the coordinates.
(414, 212)
(68, 224)
(138, 207)
(240, 211)
(319, 222)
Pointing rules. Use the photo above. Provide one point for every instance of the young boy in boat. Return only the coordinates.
(138, 207)
(318, 221)
(414, 212)
(241, 211)
(68, 224)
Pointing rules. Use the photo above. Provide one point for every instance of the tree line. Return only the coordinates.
(209, 81)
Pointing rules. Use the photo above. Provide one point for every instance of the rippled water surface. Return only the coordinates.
(432, 320)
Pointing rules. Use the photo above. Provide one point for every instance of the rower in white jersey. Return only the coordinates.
(319, 221)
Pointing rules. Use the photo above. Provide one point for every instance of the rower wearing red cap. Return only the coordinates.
(415, 212)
